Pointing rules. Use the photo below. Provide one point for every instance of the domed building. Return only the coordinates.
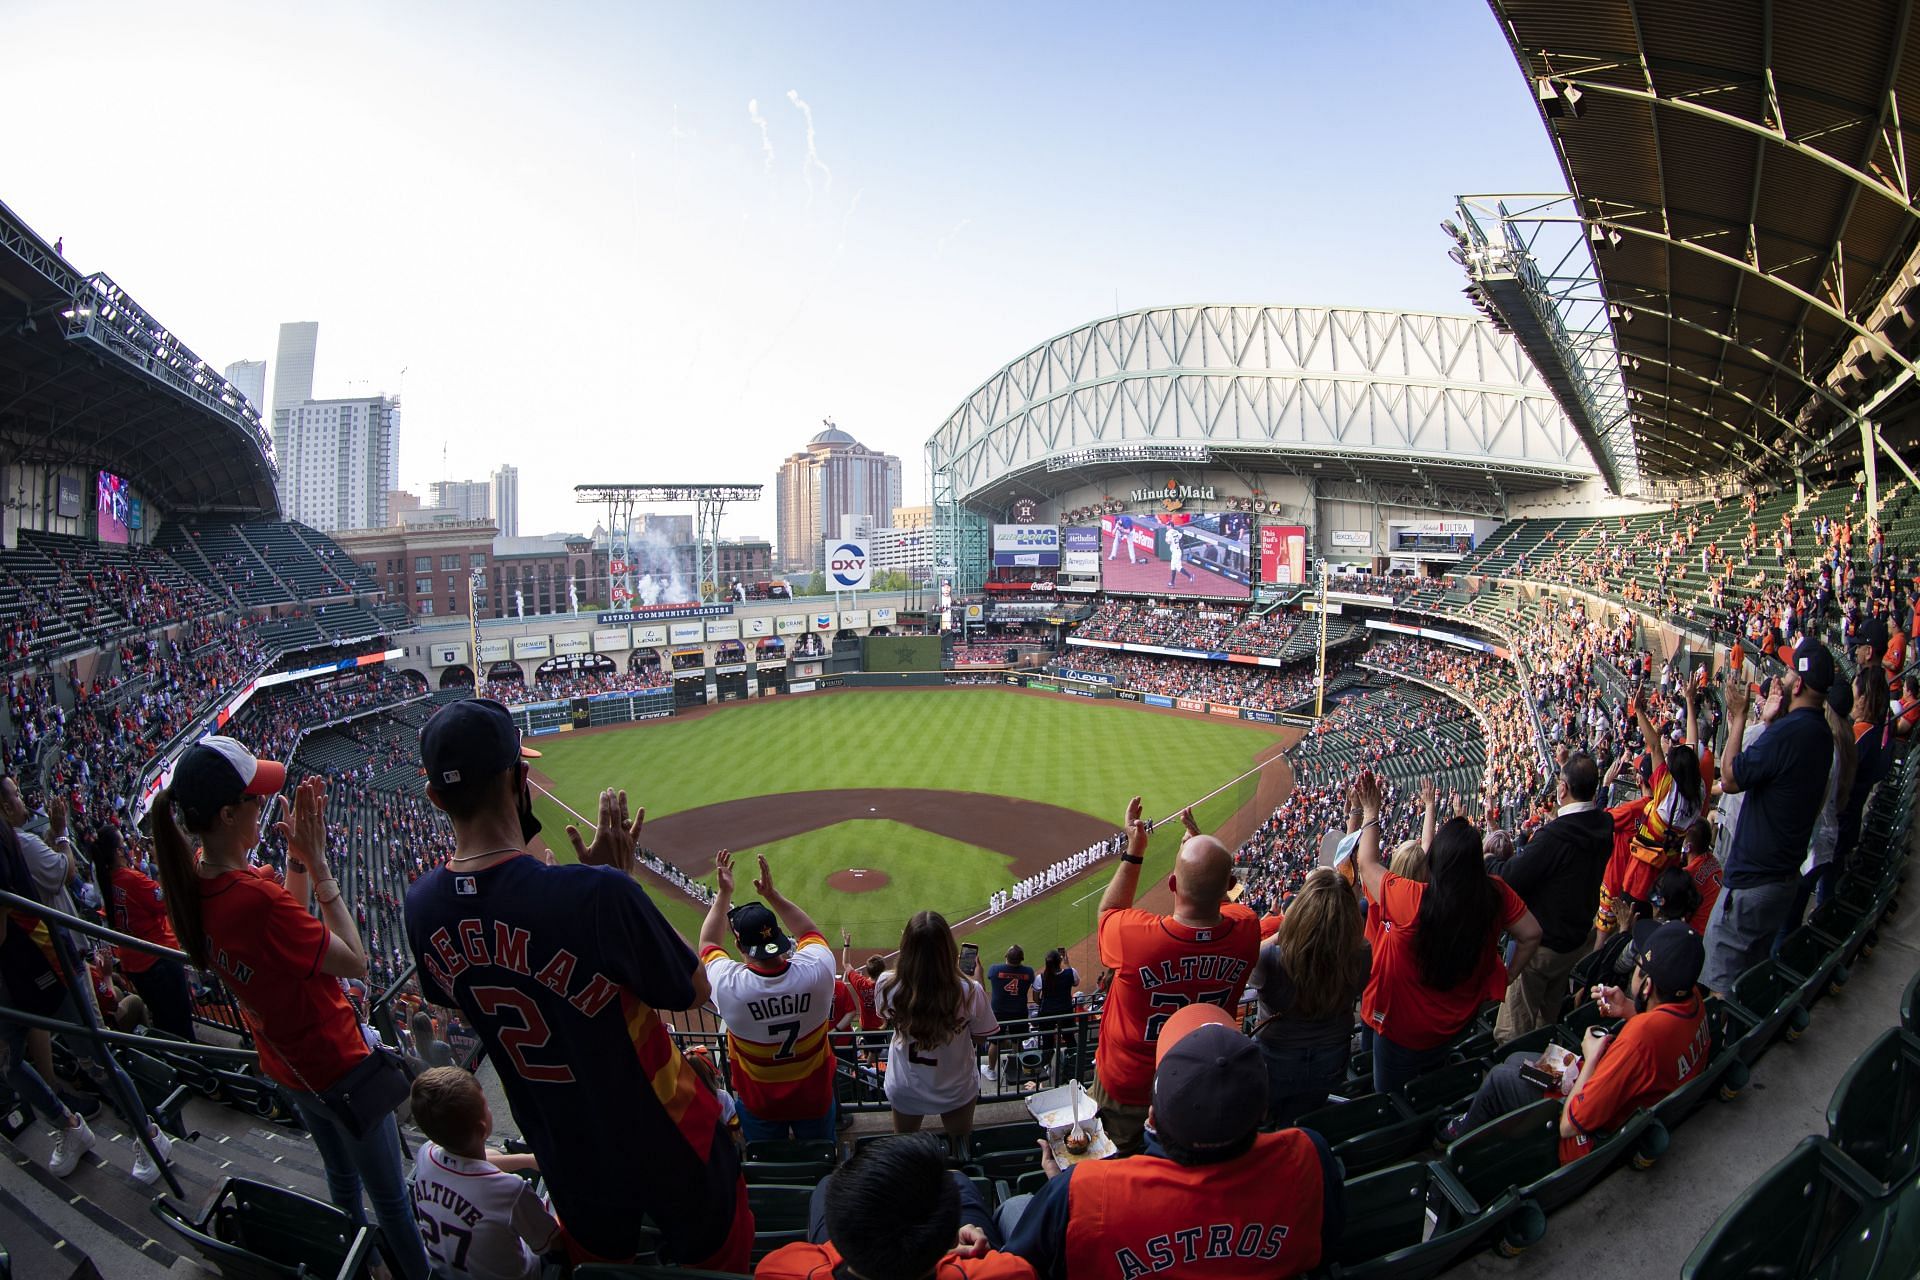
(832, 478)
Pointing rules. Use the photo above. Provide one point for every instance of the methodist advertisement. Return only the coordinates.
(1033, 546)
(1283, 554)
(1178, 553)
(1080, 558)
(849, 564)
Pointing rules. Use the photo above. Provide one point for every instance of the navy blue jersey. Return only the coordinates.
(560, 970)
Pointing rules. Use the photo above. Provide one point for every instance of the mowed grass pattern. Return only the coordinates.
(1089, 756)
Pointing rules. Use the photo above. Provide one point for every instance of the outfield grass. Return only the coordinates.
(1085, 756)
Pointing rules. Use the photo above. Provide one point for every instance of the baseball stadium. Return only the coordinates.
(1334, 592)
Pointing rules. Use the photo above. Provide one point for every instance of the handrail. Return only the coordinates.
(152, 1044)
(88, 927)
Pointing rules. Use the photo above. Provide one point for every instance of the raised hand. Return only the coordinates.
(1186, 820)
(1429, 794)
(763, 883)
(1136, 829)
(723, 872)
(615, 838)
(1366, 794)
(304, 826)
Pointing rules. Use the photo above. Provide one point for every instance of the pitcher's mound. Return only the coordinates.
(857, 880)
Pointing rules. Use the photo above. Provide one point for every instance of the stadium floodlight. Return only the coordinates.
(1124, 453)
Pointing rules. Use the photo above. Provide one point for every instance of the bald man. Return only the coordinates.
(1201, 954)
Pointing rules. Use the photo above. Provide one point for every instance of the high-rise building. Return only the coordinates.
(506, 500)
(292, 383)
(339, 459)
(833, 477)
(249, 378)
(467, 499)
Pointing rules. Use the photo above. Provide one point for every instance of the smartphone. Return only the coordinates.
(969, 958)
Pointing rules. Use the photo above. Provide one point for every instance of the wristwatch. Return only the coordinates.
(1135, 859)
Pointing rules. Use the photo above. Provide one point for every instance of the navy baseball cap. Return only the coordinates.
(1873, 633)
(1209, 1079)
(1813, 664)
(468, 741)
(1671, 955)
(218, 771)
(758, 932)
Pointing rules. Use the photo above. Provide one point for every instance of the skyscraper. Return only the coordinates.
(832, 477)
(292, 382)
(249, 377)
(339, 459)
(506, 500)
(467, 499)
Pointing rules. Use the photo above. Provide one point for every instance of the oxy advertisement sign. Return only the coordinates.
(849, 564)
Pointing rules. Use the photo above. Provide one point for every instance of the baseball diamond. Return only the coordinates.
(949, 794)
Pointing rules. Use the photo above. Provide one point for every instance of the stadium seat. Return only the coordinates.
(780, 1149)
(252, 1231)
(1910, 1005)
(779, 1216)
(1411, 1221)
(1508, 1153)
(799, 1173)
(1769, 995)
(1725, 1073)
(159, 1087)
(1369, 1133)
(1874, 1116)
(1816, 959)
(1430, 1094)
(1813, 1216)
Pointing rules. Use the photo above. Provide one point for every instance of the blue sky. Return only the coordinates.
(574, 236)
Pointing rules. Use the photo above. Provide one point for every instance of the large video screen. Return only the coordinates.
(1178, 553)
(111, 501)
(1283, 554)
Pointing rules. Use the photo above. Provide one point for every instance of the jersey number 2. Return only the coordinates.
(532, 1033)
(1167, 1002)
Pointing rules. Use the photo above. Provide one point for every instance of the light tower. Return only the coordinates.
(709, 505)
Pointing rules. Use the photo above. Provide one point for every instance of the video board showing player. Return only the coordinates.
(110, 504)
(1177, 553)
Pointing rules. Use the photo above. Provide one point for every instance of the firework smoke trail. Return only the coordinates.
(813, 160)
(766, 141)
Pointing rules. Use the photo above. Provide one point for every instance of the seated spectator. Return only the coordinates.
(1308, 978)
(897, 1212)
(1662, 1045)
(479, 1220)
(776, 1006)
(1436, 958)
(940, 1018)
(1212, 1196)
(1704, 870)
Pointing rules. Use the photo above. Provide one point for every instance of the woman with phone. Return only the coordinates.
(940, 1018)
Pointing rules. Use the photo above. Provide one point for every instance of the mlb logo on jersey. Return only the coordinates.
(466, 885)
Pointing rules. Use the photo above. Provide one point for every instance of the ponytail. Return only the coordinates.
(101, 853)
(173, 858)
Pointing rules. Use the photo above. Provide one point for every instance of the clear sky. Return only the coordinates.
(608, 242)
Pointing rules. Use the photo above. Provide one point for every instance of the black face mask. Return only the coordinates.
(529, 821)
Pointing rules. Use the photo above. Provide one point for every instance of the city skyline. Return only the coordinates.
(655, 231)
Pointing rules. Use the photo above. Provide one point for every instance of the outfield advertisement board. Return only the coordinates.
(727, 630)
(849, 564)
(1034, 546)
(650, 636)
(495, 651)
(761, 626)
(882, 616)
(685, 632)
(572, 642)
(1222, 710)
(447, 655)
(1127, 695)
(790, 624)
(611, 640)
(853, 619)
(1259, 717)
(1283, 554)
(800, 686)
(1157, 700)
(532, 647)
(663, 613)
(1191, 704)
(1093, 677)
(820, 622)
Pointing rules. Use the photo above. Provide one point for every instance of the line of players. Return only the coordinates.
(1065, 869)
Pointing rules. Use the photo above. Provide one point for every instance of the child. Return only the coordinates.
(478, 1220)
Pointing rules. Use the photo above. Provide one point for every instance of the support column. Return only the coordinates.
(1869, 445)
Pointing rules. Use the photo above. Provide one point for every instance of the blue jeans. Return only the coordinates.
(34, 1091)
(818, 1129)
(1299, 1079)
(1394, 1065)
(372, 1160)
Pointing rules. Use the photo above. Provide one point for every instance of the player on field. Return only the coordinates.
(1122, 536)
(561, 971)
(1201, 954)
(777, 1007)
(1174, 567)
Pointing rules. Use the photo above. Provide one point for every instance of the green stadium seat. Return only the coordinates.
(782, 1149)
(799, 1173)
(252, 1231)
(1369, 1133)
(1817, 960)
(1910, 1005)
(1813, 1216)
(159, 1086)
(1769, 995)
(1874, 1116)
(1411, 1221)
(1725, 1073)
(780, 1215)
(1001, 1139)
(1508, 1152)
(1435, 1091)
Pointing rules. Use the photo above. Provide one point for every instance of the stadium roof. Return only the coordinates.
(89, 379)
(1741, 174)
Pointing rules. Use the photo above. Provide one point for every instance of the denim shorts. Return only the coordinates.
(1740, 931)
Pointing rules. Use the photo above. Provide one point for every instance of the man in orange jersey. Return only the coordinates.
(1213, 1198)
(777, 1007)
(1201, 954)
(896, 1212)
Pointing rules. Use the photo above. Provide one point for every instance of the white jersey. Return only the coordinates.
(931, 1082)
(1173, 546)
(477, 1222)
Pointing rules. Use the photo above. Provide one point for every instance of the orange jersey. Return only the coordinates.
(1652, 1054)
(805, 1261)
(1160, 965)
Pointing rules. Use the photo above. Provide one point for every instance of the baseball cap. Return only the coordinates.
(1814, 664)
(218, 771)
(1670, 954)
(1840, 698)
(1873, 632)
(1209, 1080)
(467, 741)
(758, 932)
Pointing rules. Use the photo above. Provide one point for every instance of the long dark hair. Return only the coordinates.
(929, 991)
(103, 851)
(1458, 912)
(1683, 766)
(173, 858)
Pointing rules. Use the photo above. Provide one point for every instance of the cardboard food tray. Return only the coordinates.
(1101, 1148)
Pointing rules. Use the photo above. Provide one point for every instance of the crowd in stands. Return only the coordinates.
(1213, 627)
(273, 720)
(1058, 873)
(1261, 688)
(979, 655)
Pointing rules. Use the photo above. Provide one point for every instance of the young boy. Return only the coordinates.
(478, 1220)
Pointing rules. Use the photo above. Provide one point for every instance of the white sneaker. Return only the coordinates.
(69, 1144)
(144, 1169)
